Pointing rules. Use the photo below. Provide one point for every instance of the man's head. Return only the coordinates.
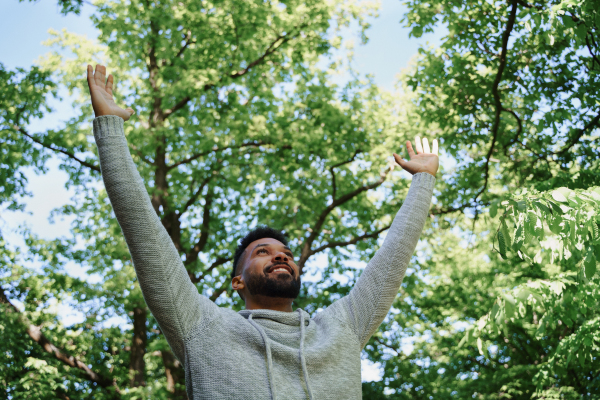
(264, 266)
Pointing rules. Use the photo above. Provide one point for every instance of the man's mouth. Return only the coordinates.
(280, 269)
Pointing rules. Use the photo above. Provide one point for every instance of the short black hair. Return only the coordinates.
(260, 232)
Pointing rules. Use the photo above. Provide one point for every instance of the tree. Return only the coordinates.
(513, 93)
(235, 125)
(67, 6)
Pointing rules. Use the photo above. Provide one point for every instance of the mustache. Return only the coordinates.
(268, 267)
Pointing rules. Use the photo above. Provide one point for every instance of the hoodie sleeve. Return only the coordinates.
(369, 301)
(168, 291)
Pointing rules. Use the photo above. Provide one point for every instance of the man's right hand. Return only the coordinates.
(102, 95)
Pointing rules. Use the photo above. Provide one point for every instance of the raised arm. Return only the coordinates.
(369, 301)
(171, 296)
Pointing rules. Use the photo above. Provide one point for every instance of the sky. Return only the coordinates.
(25, 26)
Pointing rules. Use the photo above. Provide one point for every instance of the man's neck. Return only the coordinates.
(260, 302)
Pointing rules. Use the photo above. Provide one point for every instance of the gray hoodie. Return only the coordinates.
(255, 354)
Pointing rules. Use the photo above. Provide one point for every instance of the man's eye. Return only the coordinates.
(261, 250)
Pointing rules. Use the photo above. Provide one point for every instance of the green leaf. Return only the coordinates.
(542, 207)
(518, 238)
(541, 330)
(502, 244)
(556, 208)
(494, 209)
(509, 305)
(593, 228)
(505, 234)
(480, 345)
(495, 310)
(590, 264)
(582, 356)
(468, 336)
(555, 224)
(523, 294)
(557, 287)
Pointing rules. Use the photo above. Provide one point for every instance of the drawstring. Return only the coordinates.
(269, 358)
(302, 360)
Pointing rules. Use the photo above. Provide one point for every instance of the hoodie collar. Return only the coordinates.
(282, 317)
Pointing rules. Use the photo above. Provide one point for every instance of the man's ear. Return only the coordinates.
(237, 283)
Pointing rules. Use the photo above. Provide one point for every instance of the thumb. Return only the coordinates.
(399, 160)
(131, 111)
(403, 163)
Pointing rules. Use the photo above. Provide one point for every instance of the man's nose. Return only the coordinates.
(281, 257)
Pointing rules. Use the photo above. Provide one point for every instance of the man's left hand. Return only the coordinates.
(425, 160)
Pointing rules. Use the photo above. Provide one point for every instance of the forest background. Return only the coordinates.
(255, 112)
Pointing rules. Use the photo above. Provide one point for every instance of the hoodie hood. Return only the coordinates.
(282, 317)
(296, 318)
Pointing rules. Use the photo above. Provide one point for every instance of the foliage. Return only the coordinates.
(513, 88)
(23, 98)
(562, 225)
(231, 117)
(238, 122)
(67, 6)
(513, 93)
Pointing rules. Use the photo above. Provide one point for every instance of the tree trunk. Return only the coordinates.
(138, 347)
(175, 376)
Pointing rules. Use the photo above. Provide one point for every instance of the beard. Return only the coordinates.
(274, 285)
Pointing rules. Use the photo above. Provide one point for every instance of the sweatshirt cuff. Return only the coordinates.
(108, 125)
(424, 179)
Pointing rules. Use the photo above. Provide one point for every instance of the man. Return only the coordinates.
(268, 350)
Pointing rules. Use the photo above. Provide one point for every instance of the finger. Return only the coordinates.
(131, 111)
(418, 144)
(99, 75)
(399, 160)
(426, 146)
(411, 152)
(109, 84)
(435, 147)
(90, 76)
(404, 164)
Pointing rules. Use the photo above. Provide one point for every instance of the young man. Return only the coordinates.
(268, 350)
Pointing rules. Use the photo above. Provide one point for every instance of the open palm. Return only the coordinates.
(425, 160)
(101, 91)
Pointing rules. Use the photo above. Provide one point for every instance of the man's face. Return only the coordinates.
(268, 269)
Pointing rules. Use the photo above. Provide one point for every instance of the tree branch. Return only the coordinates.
(594, 58)
(192, 255)
(218, 261)
(354, 240)
(195, 195)
(573, 141)
(527, 5)
(389, 347)
(188, 41)
(58, 150)
(496, 93)
(62, 396)
(272, 48)
(316, 229)
(519, 122)
(275, 44)
(334, 189)
(179, 104)
(214, 150)
(141, 155)
(220, 290)
(36, 334)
